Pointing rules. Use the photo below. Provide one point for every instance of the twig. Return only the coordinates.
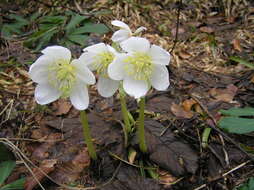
(177, 25)
(225, 174)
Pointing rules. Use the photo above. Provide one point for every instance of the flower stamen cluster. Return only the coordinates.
(102, 61)
(139, 66)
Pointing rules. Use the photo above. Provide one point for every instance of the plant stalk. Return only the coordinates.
(125, 113)
(87, 135)
(141, 125)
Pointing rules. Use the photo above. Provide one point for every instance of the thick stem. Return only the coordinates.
(125, 113)
(141, 126)
(87, 135)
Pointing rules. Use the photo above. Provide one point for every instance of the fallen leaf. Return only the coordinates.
(184, 54)
(236, 45)
(46, 166)
(62, 106)
(226, 95)
(207, 29)
(181, 30)
(129, 178)
(179, 112)
(165, 177)
(187, 104)
(168, 151)
(70, 171)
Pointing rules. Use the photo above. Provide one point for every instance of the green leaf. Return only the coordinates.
(247, 186)
(247, 111)
(92, 28)
(21, 20)
(242, 61)
(79, 39)
(53, 19)
(75, 20)
(5, 154)
(5, 169)
(18, 184)
(237, 125)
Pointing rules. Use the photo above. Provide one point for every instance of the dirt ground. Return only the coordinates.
(202, 37)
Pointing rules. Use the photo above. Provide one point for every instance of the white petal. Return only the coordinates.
(135, 44)
(112, 50)
(57, 52)
(136, 88)
(121, 24)
(107, 87)
(140, 29)
(116, 68)
(44, 94)
(88, 58)
(38, 71)
(83, 73)
(79, 97)
(159, 55)
(160, 77)
(97, 48)
(120, 35)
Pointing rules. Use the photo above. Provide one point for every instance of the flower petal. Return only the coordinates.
(107, 87)
(136, 88)
(116, 68)
(97, 48)
(121, 35)
(57, 52)
(88, 58)
(44, 94)
(135, 44)
(83, 73)
(79, 97)
(159, 55)
(38, 71)
(121, 24)
(160, 77)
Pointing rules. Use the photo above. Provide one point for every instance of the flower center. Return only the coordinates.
(62, 75)
(102, 61)
(140, 66)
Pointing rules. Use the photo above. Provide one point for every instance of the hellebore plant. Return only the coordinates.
(143, 66)
(60, 77)
(132, 69)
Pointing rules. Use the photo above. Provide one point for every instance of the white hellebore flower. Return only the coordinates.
(97, 57)
(125, 32)
(143, 66)
(57, 76)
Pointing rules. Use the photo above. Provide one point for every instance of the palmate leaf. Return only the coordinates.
(91, 28)
(75, 20)
(233, 123)
(18, 184)
(5, 170)
(78, 38)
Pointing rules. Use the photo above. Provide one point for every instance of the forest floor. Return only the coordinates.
(210, 44)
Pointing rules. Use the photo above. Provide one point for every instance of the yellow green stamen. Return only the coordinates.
(62, 75)
(102, 61)
(139, 66)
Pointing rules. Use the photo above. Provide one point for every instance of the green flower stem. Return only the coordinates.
(141, 126)
(87, 135)
(125, 112)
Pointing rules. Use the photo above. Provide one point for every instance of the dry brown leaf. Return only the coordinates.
(180, 31)
(206, 29)
(46, 166)
(226, 95)
(178, 111)
(187, 104)
(237, 45)
(184, 55)
(62, 106)
(165, 177)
